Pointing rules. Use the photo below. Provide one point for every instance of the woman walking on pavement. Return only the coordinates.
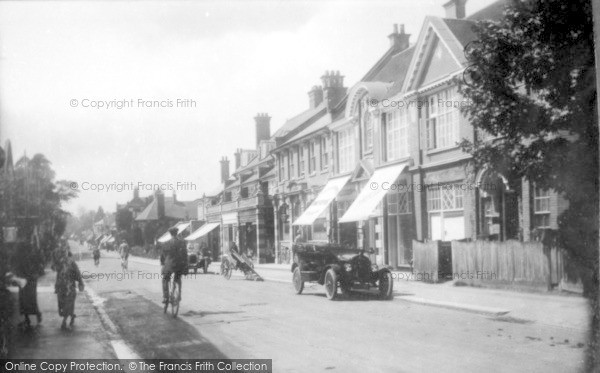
(29, 265)
(66, 278)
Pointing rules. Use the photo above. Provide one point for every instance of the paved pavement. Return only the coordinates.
(247, 319)
(45, 341)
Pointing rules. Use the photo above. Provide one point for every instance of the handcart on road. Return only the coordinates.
(237, 261)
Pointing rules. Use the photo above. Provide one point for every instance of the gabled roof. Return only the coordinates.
(453, 34)
(183, 210)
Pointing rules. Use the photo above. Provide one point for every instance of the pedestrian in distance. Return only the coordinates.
(68, 280)
(124, 252)
(96, 255)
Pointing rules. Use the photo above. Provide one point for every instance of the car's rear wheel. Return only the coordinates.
(386, 285)
(297, 279)
(331, 284)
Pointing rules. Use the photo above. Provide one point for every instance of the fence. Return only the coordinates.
(506, 262)
(510, 262)
(431, 260)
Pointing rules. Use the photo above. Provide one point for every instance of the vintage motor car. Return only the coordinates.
(339, 267)
(196, 261)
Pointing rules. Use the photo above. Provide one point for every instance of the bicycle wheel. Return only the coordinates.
(175, 297)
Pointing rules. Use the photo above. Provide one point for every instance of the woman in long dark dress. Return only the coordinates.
(30, 265)
(67, 277)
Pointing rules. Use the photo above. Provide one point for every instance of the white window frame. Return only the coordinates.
(541, 206)
(445, 200)
(301, 160)
(442, 118)
(324, 154)
(292, 169)
(345, 150)
(283, 166)
(312, 157)
(396, 135)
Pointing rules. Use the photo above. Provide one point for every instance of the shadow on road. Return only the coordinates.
(154, 334)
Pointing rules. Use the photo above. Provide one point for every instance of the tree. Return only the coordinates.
(531, 83)
(99, 214)
(36, 197)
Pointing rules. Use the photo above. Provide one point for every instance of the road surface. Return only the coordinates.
(308, 333)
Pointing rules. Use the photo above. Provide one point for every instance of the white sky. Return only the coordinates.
(234, 59)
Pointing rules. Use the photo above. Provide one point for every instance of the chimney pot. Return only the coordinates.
(455, 9)
(399, 41)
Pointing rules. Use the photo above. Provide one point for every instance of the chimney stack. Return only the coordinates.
(136, 193)
(160, 203)
(263, 127)
(399, 41)
(455, 9)
(238, 158)
(315, 96)
(333, 88)
(224, 170)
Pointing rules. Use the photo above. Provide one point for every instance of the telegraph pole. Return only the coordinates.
(594, 359)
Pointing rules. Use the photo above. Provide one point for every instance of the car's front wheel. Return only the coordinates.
(331, 284)
(386, 285)
(297, 279)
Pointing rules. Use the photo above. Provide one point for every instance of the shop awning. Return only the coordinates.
(316, 208)
(165, 237)
(180, 228)
(377, 186)
(202, 231)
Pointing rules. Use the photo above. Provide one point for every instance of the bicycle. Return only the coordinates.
(174, 296)
(124, 263)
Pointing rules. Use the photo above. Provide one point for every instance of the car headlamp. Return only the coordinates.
(348, 267)
(374, 267)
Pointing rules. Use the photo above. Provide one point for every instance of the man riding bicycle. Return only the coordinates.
(173, 260)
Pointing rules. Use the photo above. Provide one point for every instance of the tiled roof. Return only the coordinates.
(394, 70)
(319, 124)
(493, 12)
(462, 30)
(296, 121)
